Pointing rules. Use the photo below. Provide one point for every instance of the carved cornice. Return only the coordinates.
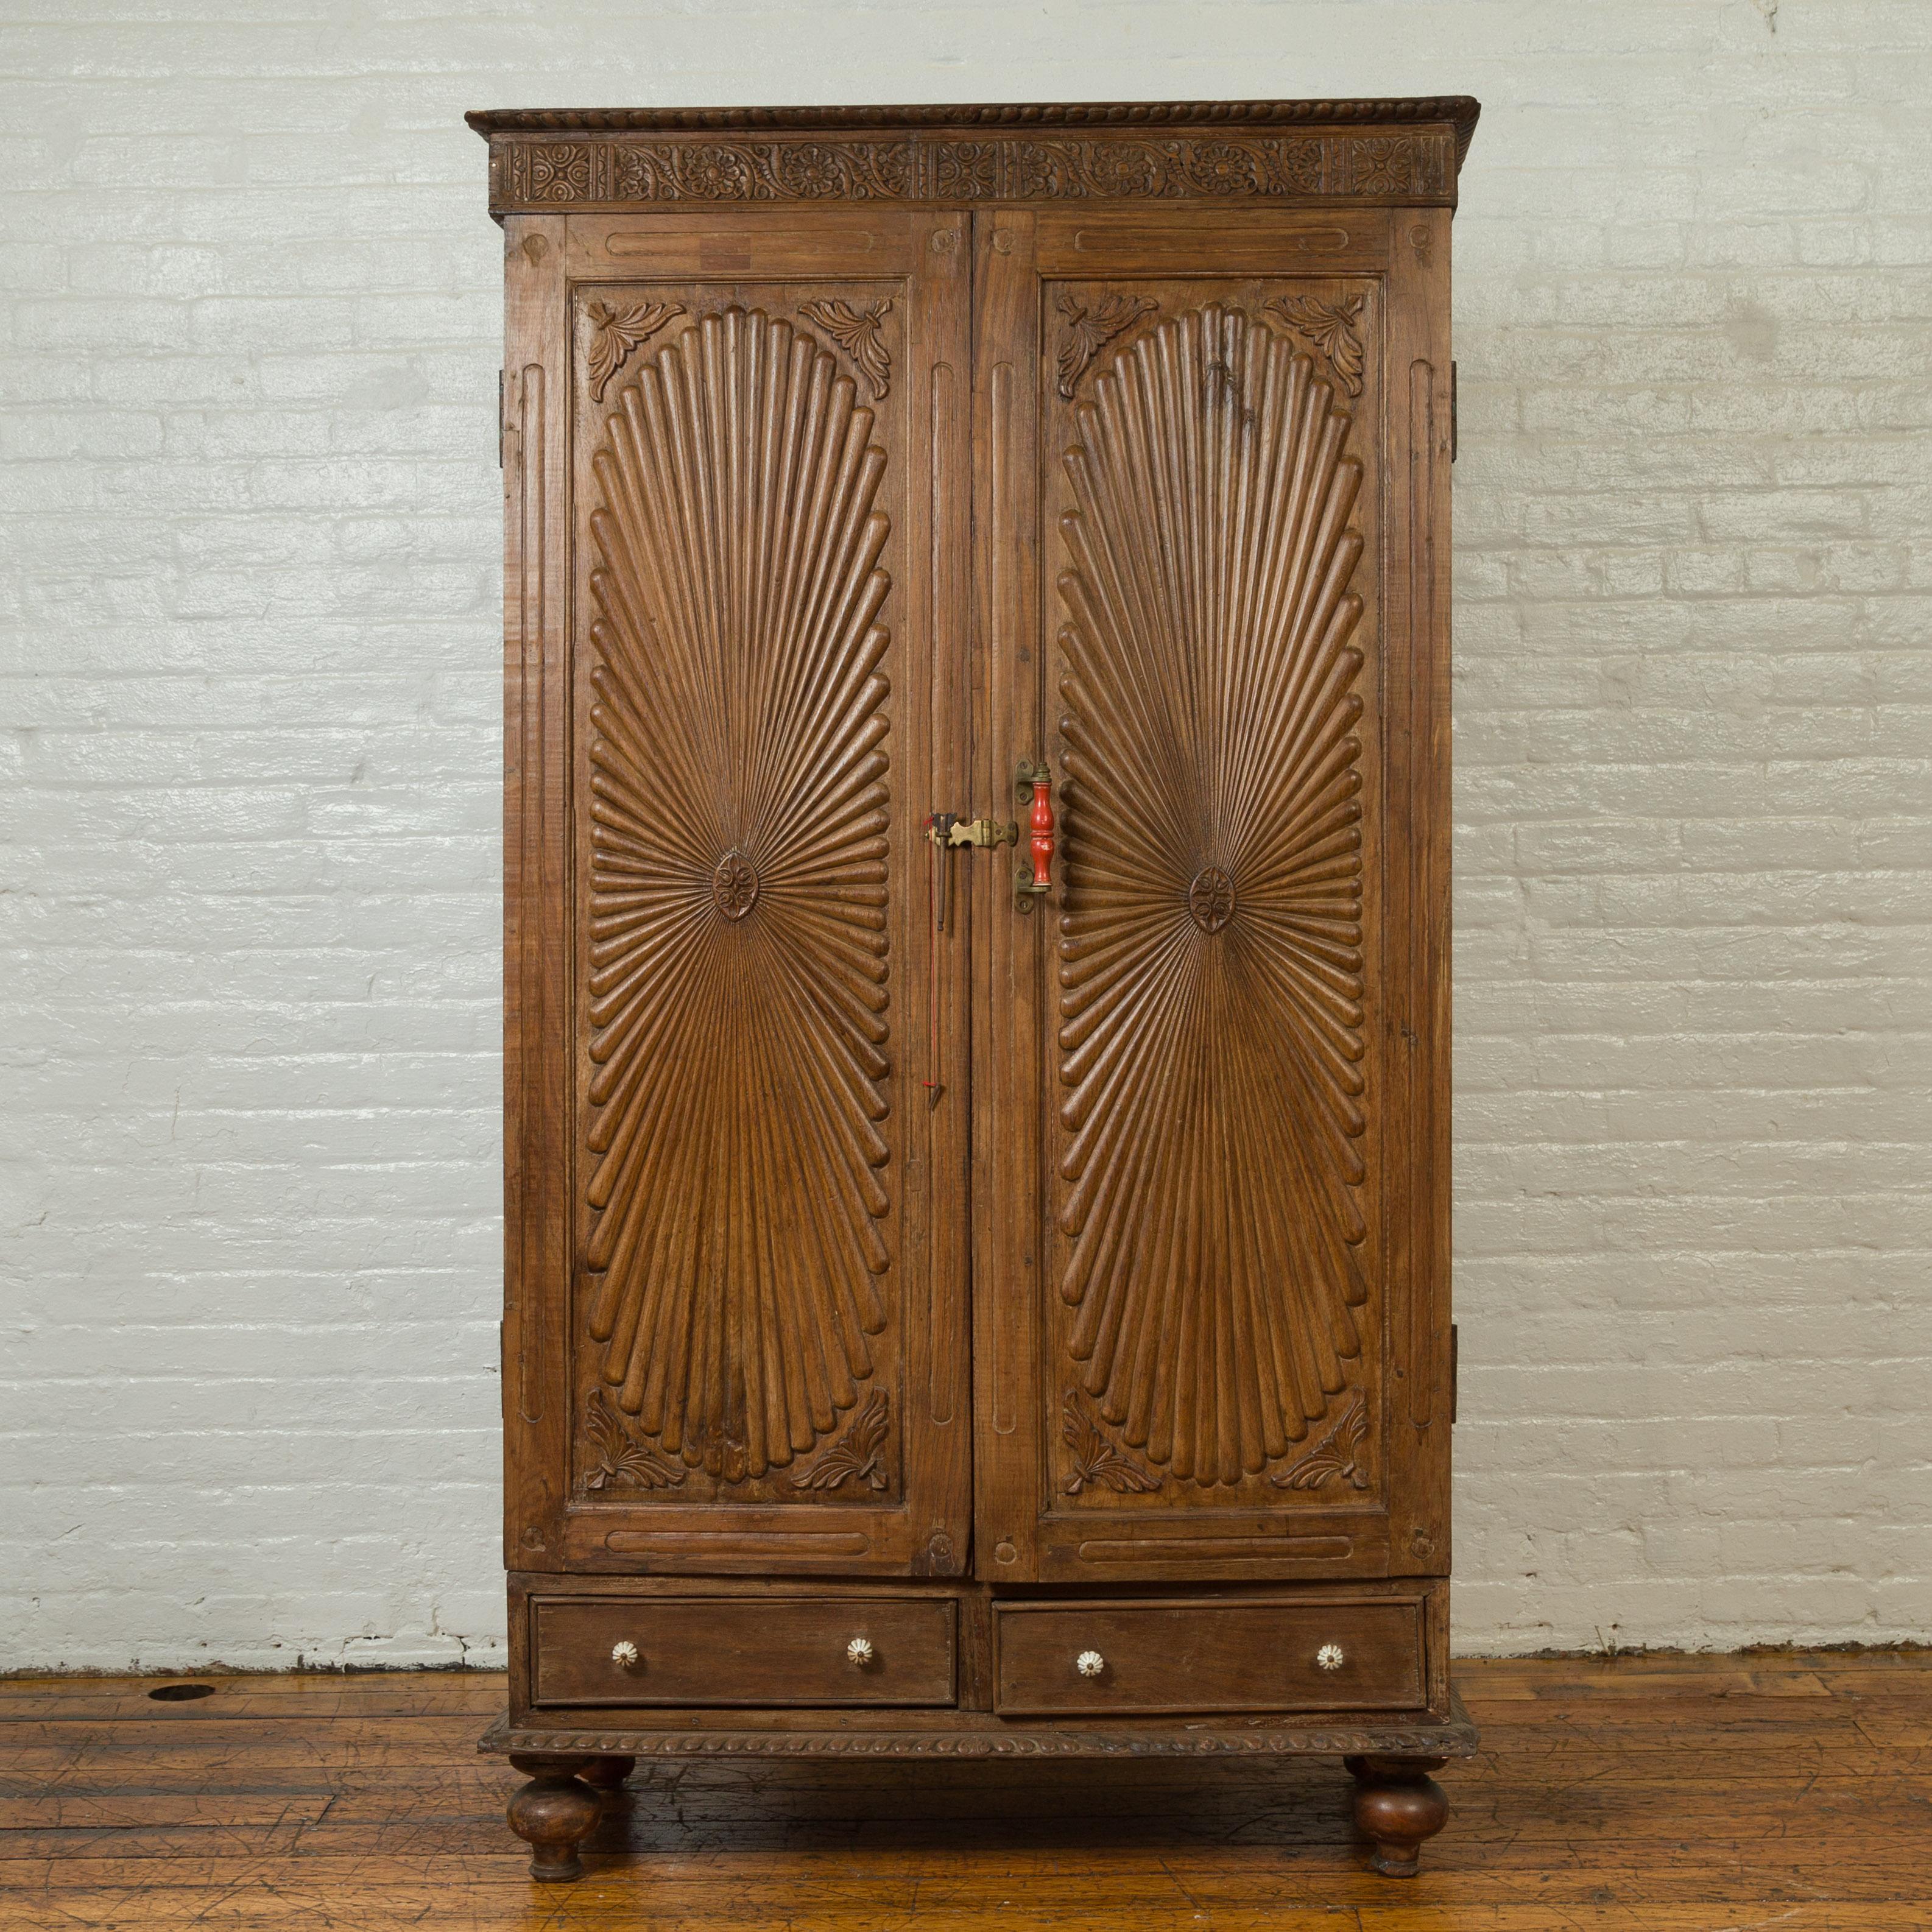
(1403, 151)
(1458, 109)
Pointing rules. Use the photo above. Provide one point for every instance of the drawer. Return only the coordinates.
(763, 1650)
(1355, 1654)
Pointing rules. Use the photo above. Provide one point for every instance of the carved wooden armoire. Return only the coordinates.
(977, 1007)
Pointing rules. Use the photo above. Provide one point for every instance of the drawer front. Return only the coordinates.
(768, 1650)
(1339, 1655)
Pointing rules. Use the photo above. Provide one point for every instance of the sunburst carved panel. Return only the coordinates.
(736, 992)
(1211, 948)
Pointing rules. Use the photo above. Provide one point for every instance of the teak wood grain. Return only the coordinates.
(875, 479)
(1665, 1794)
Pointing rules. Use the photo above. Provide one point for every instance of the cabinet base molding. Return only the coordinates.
(975, 1734)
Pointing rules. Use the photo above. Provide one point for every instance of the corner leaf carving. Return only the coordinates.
(1095, 1460)
(1332, 328)
(615, 332)
(858, 1455)
(857, 333)
(1090, 328)
(1339, 1452)
(617, 1456)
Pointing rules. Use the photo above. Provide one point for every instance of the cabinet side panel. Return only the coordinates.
(536, 469)
(1415, 968)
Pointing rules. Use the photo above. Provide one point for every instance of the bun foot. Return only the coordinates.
(553, 1814)
(1397, 1806)
(607, 1774)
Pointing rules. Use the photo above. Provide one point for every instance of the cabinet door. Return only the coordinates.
(1211, 1311)
(737, 473)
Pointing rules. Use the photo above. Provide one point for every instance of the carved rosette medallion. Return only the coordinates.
(734, 885)
(736, 1173)
(1213, 1106)
(1211, 899)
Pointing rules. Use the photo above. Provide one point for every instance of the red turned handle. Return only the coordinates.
(1036, 878)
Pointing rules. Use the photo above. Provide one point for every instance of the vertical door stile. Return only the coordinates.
(938, 1039)
(1008, 1065)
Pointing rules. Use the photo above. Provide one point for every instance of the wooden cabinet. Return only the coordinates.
(976, 1000)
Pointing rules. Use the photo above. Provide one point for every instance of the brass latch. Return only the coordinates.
(948, 832)
(983, 832)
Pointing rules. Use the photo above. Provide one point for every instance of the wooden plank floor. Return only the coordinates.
(1645, 1795)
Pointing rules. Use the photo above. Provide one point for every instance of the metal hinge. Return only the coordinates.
(1452, 412)
(1453, 1362)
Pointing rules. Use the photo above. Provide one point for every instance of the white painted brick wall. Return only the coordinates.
(250, 753)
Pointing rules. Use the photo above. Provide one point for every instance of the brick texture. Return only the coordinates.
(249, 749)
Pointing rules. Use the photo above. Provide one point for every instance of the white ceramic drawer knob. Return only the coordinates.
(859, 1652)
(623, 1653)
(1090, 1664)
(1330, 1656)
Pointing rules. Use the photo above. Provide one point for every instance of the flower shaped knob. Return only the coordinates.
(859, 1652)
(623, 1653)
(1329, 1656)
(1090, 1664)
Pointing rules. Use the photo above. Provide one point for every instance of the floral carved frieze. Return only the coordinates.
(531, 172)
